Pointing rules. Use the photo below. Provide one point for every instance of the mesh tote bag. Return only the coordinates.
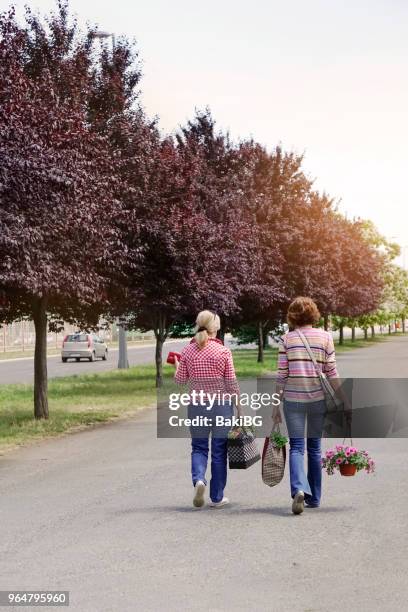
(242, 448)
(273, 460)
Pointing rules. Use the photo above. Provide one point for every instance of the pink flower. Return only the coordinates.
(329, 454)
(338, 461)
(339, 447)
(348, 453)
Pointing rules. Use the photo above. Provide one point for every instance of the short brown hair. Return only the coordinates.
(302, 311)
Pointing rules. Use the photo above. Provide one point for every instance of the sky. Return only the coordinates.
(322, 77)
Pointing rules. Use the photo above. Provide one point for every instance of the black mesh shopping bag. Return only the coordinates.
(242, 448)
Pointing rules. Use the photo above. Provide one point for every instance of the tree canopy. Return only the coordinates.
(102, 214)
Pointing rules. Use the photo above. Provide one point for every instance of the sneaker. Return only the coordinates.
(219, 504)
(298, 504)
(199, 491)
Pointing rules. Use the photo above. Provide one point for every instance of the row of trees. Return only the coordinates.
(100, 215)
(393, 309)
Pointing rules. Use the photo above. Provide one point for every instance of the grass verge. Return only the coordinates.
(348, 345)
(80, 401)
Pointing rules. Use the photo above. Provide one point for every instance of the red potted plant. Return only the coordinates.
(348, 460)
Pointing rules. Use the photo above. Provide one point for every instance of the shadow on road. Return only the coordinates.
(286, 511)
(232, 509)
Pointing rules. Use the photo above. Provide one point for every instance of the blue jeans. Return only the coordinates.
(200, 448)
(296, 414)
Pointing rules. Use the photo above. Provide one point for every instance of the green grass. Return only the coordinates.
(359, 342)
(246, 366)
(85, 400)
(29, 352)
(80, 401)
(75, 401)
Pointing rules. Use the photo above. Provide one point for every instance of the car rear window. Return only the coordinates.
(77, 338)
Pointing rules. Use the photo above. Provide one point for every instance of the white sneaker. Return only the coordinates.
(298, 504)
(199, 492)
(219, 504)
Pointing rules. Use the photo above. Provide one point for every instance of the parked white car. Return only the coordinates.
(83, 346)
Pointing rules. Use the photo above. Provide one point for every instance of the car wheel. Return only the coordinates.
(78, 359)
(105, 355)
(92, 357)
(64, 360)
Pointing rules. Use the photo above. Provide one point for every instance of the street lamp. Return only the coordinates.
(101, 35)
(123, 362)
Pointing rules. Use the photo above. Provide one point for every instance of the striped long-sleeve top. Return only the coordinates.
(296, 372)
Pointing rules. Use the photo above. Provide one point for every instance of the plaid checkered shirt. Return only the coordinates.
(209, 369)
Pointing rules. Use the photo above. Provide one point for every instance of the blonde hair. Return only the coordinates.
(210, 322)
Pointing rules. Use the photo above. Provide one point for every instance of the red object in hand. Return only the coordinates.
(171, 356)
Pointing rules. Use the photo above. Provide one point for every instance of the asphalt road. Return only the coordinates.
(388, 359)
(107, 515)
(365, 362)
(22, 370)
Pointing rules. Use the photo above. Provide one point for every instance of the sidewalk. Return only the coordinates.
(121, 513)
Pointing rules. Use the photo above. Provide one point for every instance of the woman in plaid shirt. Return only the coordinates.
(206, 366)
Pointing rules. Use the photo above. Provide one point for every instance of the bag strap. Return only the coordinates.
(310, 352)
(348, 435)
(326, 386)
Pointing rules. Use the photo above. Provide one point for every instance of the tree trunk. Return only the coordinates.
(40, 360)
(161, 333)
(403, 325)
(366, 333)
(353, 333)
(265, 337)
(341, 334)
(326, 322)
(372, 331)
(260, 342)
(123, 361)
(389, 328)
(159, 360)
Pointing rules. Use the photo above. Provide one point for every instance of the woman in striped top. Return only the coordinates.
(304, 398)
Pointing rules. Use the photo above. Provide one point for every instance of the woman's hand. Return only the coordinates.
(240, 412)
(276, 415)
(176, 362)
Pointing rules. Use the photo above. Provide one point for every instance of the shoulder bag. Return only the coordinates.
(333, 403)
